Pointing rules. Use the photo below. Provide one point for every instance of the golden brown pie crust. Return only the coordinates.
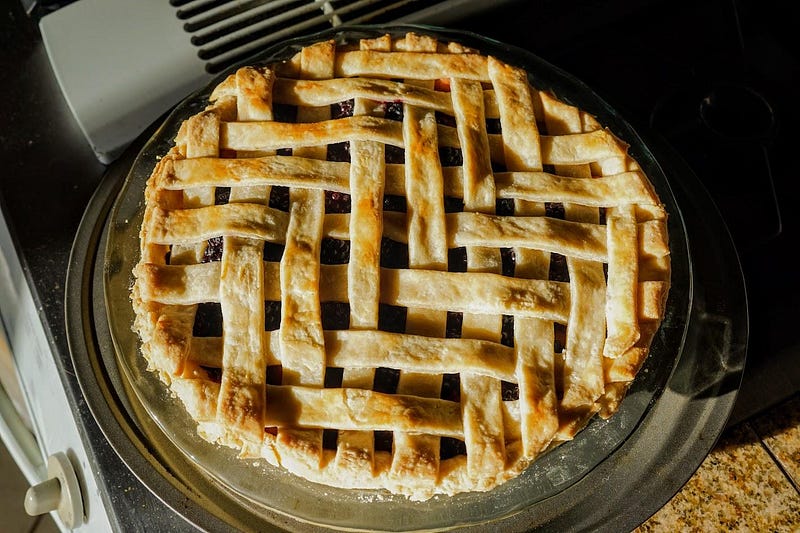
(494, 359)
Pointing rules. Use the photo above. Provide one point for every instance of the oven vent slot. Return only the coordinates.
(228, 31)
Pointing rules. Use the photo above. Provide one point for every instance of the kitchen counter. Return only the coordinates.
(749, 481)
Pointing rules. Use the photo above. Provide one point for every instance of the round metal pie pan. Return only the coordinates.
(613, 475)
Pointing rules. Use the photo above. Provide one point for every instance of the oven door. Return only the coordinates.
(37, 425)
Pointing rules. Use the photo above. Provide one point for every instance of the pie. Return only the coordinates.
(395, 264)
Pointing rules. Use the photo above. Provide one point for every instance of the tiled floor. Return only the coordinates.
(13, 518)
(749, 482)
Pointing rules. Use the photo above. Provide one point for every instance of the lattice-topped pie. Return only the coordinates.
(395, 264)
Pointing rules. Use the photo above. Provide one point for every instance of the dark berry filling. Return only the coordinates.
(214, 374)
(392, 318)
(457, 259)
(383, 441)
(504, 207)
(337, 202)
(493, 125)
(450, 447)
(445, 119)
(386, 380)
(507, 332)
(559, 337)
(274, 375)
(554, 210)
(213, 251)
(273, 251)
(453, 205)
(451, 387)
(394, 111)
(272, 316)
(392, 202)
(334, 251)
(498, 167)
(284, 113)
(342, 109)
(508, 258)
(279, 198)
(335, 315)
(394, 155)
(208, 320)
(509, 391)
(558, 268)
(393, 254)
(333, 377)
(450, 157)
(339, 151)
(330, 438)
(453, 325)
(222, 195)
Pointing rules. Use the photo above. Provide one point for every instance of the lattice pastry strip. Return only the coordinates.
(356, 449)
(482, 266)
(426, 236)
(533, 338)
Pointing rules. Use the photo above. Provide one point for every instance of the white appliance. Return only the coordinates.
(121, 64)
(37, 424)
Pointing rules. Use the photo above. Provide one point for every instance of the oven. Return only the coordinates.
(710, 83)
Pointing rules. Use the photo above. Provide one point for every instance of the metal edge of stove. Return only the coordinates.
(449, 10)
(706, 399)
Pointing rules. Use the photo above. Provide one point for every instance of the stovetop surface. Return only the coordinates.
(714, 78)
